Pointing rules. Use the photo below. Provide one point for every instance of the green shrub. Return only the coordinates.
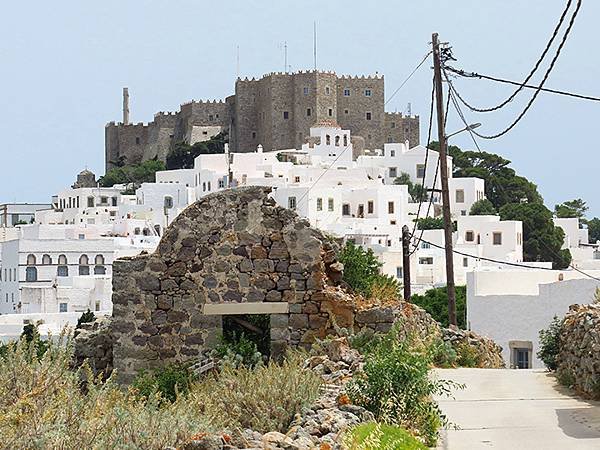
(364, 340)
(169, 382)
(264, 399)
(361, 268)
(396, 387)
(378, 436)
(43, 406)
(550, 343)
(435, 302)
(443, 354)
(238, 350)
(467, 355)
(85, 317)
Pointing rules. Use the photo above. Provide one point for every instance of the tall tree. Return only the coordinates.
(572, 208)
(542, 241)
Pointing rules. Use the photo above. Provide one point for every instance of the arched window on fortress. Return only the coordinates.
(84, 268)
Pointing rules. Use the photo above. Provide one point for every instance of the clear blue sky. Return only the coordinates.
(64, 64)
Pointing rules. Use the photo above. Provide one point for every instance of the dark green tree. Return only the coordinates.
(502, 184)
(361, 268)
(416, 190)
(85, 317)
(430, 223)
(182, 155)
(593, 230)
(132, 176)
(542, 241)
(572, 208)
(482, 207)
(435, 302)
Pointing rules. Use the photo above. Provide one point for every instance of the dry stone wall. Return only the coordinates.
(578, 362)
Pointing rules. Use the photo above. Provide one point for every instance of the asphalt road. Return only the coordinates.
(514, 410)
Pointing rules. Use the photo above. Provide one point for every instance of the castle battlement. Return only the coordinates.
(401, 115)
(203, 102)
(361, 77)
(128, 125)
(165, 114)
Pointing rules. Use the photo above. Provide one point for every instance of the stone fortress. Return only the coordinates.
(275, 111)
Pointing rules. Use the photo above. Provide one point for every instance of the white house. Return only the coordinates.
(511, 306)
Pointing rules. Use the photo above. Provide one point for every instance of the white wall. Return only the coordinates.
(514, 305)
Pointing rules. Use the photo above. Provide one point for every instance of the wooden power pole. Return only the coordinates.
(406, 262)
(448, 228)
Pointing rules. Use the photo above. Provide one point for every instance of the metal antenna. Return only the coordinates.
(237, 61)
(315, 43)
(285, 64)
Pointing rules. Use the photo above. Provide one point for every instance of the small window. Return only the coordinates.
(330, 205)
(368, 93)
(337, 141)
(210, 117)
(390, 207)
(327, 90)
(31, 274)
(81, 237)
(392, 153)
(330, 112)
(296, 179)
(221, 184)
(308, 112)
(327, 140)
(393, 125)
(99, 270)
(62, 260)
(460, 196)
(286, 115)
(465, 262)
(292, 202)
(319, 204)
(345, 209)
(84, 268)
(428, 260)
(305, 90)
(114, 201)
(137, 231)
(345, 140)
(99, 260)
(62, 271)
(368, 115)
(469, 236)
(157, 229)
(370, 207)
(420, 170)
(497, 238)
(399, 273)
(168, 202)
(137, 140)
(90, 202)
(425, 245)
(346, 92)
(393, 172)
(62, 307)
(346, 111)
(46, 260)
(31, 260)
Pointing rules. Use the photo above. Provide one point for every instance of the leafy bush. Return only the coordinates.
(238, 351)
(396, 387)
(430, 223)
(467, 355)
(169, 382)
(550, 343)
(42, 405)
(182, 155)
(443, 354)
(385, 288)
(483, 207)
(378, 436)
(132, 174)
(435, 302)
(85, 317)
(361, 268)
(264, 399)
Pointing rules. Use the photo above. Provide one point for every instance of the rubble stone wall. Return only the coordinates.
(578, 362)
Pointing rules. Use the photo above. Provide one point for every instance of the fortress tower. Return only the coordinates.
(275, 111)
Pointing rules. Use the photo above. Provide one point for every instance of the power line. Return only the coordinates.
(538, 88)
(535, 67)
(515, 83)
(408, 78)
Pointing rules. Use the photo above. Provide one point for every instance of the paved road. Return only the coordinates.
(514, 410)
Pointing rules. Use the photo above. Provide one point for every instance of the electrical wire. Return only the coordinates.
(538, 89)
(515, 83)
(408, 78)
(533, 71)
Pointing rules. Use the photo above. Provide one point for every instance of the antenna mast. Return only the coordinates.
(315, 43)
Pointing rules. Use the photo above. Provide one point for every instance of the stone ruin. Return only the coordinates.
(231, 254)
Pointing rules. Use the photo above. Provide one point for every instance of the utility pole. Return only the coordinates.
(448, 228)
(406, 261)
